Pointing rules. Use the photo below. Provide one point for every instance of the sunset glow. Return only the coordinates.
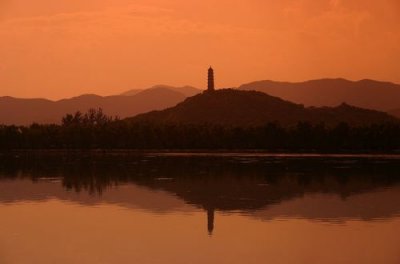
(58, 49)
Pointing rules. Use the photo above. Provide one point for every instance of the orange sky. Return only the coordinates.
(64, 48)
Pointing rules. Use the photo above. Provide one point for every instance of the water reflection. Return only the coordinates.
(317, 188)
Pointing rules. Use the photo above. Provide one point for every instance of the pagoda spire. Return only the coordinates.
(211, 86)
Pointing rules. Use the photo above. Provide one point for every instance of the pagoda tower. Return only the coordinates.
(211, 86)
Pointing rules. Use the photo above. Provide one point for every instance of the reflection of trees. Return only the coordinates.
(211, 183)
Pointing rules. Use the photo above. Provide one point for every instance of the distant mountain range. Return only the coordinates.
(234, 107)
(26, 111)
(185, 90)
(382, 96)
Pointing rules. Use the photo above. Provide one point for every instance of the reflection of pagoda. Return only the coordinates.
(210, 220)
(211, 86)
(221, 184)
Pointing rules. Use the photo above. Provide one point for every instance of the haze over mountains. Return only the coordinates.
(232, 107)
(185, 90)
(382, 96)
(27, 111)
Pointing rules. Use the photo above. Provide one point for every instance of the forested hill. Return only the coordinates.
(251, 108)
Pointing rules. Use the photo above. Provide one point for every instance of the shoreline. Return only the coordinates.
(199, 153)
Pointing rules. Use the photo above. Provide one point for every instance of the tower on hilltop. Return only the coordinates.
(211, 86)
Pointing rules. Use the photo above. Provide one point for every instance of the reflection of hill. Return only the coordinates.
(245, 184)
(126, 195)
(274, 190)
(327, 189)
(372, 205)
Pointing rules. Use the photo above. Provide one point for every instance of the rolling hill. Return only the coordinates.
(251, 108)
(382, 96)
(14, 111)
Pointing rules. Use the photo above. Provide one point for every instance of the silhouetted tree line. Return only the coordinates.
(95, 130)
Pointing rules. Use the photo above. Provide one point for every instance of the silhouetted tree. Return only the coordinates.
(94, 129)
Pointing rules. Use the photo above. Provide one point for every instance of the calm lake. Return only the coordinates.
(200, 208)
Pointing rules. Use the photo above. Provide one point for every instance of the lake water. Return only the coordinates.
(175, 208)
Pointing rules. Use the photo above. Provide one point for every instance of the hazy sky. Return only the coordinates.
(65, 48)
